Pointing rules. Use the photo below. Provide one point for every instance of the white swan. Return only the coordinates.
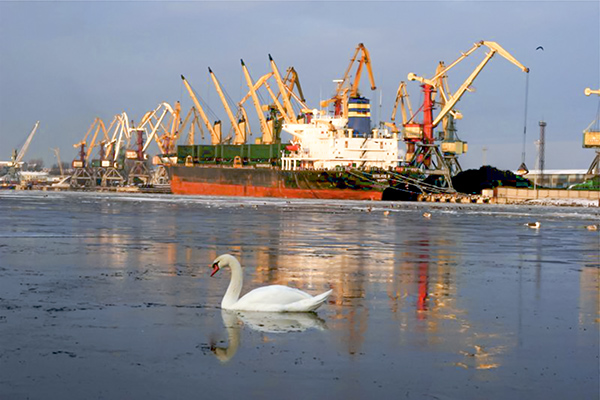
(274, 298)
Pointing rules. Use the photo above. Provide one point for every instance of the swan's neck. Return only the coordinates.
(235, 285)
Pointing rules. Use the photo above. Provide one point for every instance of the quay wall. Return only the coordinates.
(505, 195)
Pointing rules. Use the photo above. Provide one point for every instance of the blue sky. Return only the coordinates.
(65, 63)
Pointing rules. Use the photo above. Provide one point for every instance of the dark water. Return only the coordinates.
(106, 297)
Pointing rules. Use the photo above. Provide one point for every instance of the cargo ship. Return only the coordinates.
(329, 157)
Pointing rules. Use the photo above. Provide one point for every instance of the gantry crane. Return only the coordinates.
(422, 151)
(165, 137)
(105, 170)
(97, 126)
(82, 175)
(591, 139)
(146, 132)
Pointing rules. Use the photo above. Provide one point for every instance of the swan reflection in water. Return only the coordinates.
(262, 322)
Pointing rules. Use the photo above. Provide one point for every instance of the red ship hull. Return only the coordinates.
(251, 182)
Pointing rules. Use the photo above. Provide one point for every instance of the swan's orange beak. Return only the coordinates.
(215, 269)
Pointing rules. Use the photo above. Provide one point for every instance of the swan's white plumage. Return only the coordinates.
(274, 298)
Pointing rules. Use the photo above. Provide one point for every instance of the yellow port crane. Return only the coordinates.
(239, 125)
(215, 130)
(57, 154)
(422, 151)
(403, 101)
(154, 119)
(291, 81)
(435, 81)
(270, 126)
(267, 130)
(343, 92)
(97, 126)
(194, 124)
(591, 139)
(287, 104)
(168, 140)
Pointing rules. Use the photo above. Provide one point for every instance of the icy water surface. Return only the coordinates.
(109, 297)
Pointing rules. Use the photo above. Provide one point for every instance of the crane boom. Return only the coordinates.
(215, 134)
(589, 91)
(366, 61)
(240, 136)
(437, 82)
(291, 79)
(286, 99)
(99, 126)
(403, 100)
(267, 137)
(147, 120)
(261, 81)
(26, 145)
(495, 47)
(453, 99)
(57, 154)
(278, 104)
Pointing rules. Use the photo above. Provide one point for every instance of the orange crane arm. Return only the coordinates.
(366, 61)
(340, 92)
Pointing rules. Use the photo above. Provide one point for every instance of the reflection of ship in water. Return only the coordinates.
(261, 322)
(589, 298)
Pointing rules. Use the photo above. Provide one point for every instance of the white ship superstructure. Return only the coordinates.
(326, 142)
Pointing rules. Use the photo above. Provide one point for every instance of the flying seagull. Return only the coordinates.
(540, 48)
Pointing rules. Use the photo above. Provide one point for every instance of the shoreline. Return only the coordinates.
(459, 198)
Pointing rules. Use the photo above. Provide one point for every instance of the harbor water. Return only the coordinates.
(106, 296)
